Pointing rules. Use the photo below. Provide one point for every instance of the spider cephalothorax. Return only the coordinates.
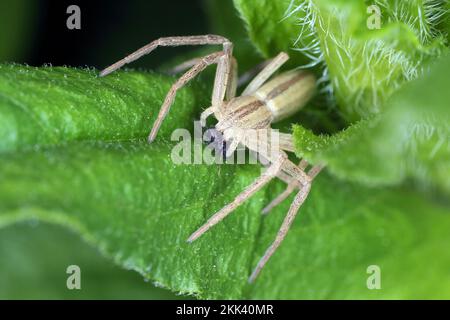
(246, 120)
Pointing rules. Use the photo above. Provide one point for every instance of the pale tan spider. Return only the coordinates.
(261, 103)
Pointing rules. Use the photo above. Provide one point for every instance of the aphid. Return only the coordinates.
(261, 103)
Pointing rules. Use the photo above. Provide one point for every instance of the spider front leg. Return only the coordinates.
(305, 182)
(269, 69)
(190, 74)
(205, 114)
(168, 42)
(260, 182)
(230, 91)
(223, 59)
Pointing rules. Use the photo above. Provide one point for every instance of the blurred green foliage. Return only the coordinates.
(16, 32)
(34, 258)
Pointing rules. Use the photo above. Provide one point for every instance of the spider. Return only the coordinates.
(261, 103)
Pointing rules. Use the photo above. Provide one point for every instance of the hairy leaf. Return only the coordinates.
(132, 202)
(361, 64)
(269, 29)
(409, 140)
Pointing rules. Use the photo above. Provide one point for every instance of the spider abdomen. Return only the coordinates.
(278, 99)
(287, 93)
(246, 112)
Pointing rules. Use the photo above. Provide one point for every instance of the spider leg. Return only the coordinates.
(265, 73)
(205, 114)
(250, 74)
(292, 185)
(260, 182)
(305, 180)
(221, 82)
(222, 78)
(280, 198)
(233, 136)
(183, 66)
(232, 84)
(299, 199)
(230, 90)
(314, 171)
(233, 80)
(167, 42)
(233, 146)
(191, 73)
(286, 142)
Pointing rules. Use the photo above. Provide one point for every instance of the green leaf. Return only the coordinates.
(361, 67)
(139, 208)
(446, 23)
(35, 257)
(49, 106)
(345, 227)
(129, 199)
(268, 29)
(409, 140)
(224, 20)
